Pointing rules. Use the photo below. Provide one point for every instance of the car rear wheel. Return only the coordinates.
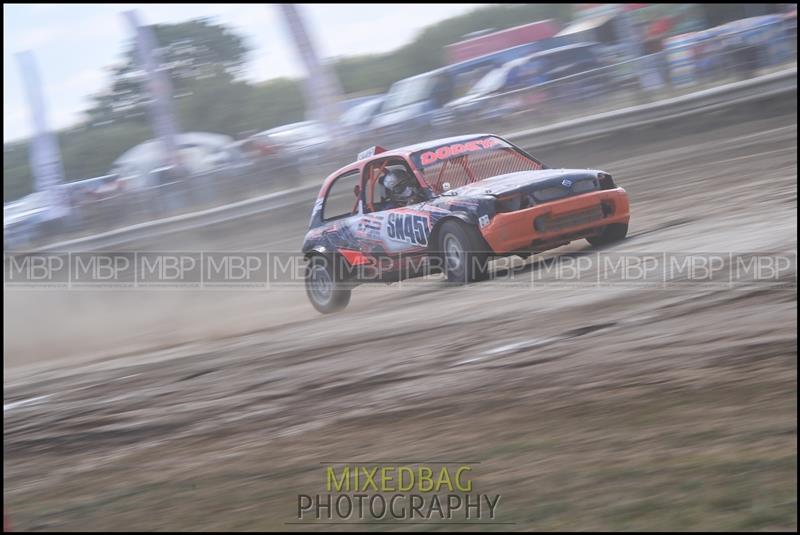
(611, 233)
(326, 294)
(463, 253)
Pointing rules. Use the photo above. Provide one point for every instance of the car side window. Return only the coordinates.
(375, 194)
(341, 198)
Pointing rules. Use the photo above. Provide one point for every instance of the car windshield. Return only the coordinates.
(453, 165)
(361, 112)
(408, 91)
(492, 81)
(572, 55)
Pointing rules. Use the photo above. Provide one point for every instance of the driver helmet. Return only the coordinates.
(400, 185)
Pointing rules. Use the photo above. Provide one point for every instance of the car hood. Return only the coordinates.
(522, 181)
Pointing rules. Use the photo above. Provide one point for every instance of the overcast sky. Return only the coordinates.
(73, 44)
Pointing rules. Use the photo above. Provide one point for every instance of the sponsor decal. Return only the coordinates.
(409, 228)
(567, 183)
(372, 151)
(444, 152)
(369, 227)
(483, 220)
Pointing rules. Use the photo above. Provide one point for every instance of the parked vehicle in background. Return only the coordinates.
(350, 103)
(533, 70)
(258, 146)
(101, 189)
(410, 102)
(355, 121)
(415, 102)
(302, 141)
(22, 220)
(198, 152)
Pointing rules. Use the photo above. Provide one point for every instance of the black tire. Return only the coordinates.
(612, 233)
(463, 252)
(326, 293)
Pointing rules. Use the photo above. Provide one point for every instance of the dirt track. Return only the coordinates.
(626, 406)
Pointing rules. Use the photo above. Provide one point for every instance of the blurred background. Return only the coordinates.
(217, 128)
(658, 405)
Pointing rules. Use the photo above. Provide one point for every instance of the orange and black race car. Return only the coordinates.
(449, 206)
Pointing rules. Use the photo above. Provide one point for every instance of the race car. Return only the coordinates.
(449, 206)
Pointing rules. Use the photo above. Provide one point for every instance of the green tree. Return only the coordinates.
(193, 51)
(215, 104)
(16, 173)
(276, 102)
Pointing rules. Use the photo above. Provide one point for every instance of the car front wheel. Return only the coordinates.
(463, 253)
(326, 294)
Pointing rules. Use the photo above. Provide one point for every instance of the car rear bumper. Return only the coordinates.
(551, 224)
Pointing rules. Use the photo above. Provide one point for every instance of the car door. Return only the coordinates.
(340, 214)
(389, 235)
